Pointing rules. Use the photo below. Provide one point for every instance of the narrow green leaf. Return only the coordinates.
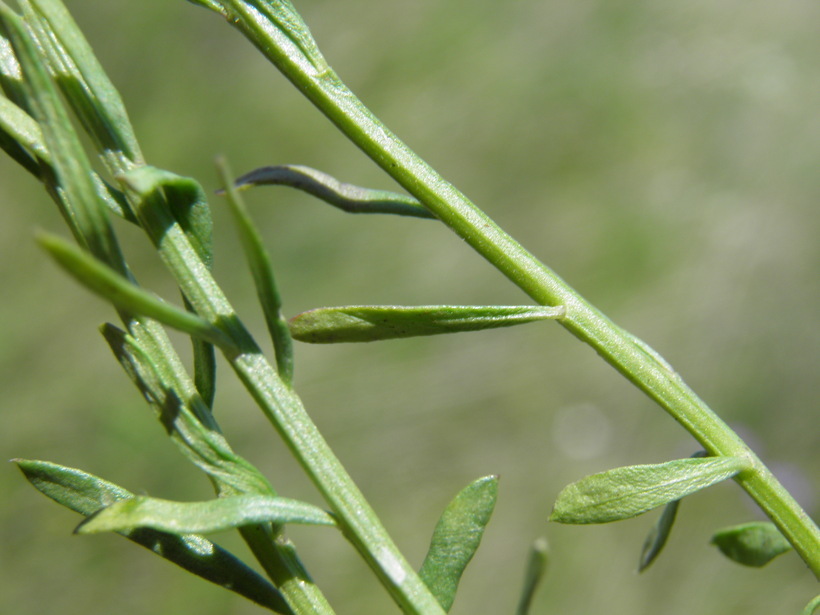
(629, 491)
(11, 73)
(812, 607)
(186, 419)
(456, 538)
(367, 323)
(202, 517)
(82, 208)
(347, 197)
(658, 535)
(536, 568)
(187, 204)
(751, 544)
(101, 279)
(21, 137)
(86, 494)
(84, 82)
(209, 4)
(263, 277)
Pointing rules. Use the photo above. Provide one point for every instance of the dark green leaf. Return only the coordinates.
(658, 535)
(751, 544)
(632, 490)
(367, 323)
(536, 568)
(202, 517)
(101, 279)
(347, 197)
(456, 538)
(263, 277)
(86, 494)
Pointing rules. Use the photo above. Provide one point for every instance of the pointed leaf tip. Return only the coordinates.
(202, 517)
(368, 323)
(85, 493)
(629, 491)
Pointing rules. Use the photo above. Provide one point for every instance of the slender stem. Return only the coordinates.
(634, 359)
(285, 411)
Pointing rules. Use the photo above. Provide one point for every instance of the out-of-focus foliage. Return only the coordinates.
(661, 157)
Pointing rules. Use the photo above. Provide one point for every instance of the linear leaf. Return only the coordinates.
(84, 82)
(751, 544)
(632, 490)
(367, 323)
(186, 419)
(86, 494)
(186, 202)
(536, 568)
(263, 277)
(101, 279)
(21, 137)
(82, 207)
(347, 197)
(202, 517)
(658, 535)
(456, 538)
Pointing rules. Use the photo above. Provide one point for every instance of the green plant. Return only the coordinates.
(172, 211)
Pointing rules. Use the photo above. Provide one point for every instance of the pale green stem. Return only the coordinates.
(284, 409)
(634, 359)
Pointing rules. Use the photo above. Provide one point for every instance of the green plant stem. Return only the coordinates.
(285, 411)
(634, 359)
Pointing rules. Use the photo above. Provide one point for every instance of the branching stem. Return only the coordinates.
(633, 358)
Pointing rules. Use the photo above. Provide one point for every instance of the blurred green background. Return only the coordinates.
(662, 157)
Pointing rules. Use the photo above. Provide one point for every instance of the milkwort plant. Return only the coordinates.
(45, 61)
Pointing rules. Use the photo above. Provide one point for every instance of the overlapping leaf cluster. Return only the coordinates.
(46, 61)
(48, 76)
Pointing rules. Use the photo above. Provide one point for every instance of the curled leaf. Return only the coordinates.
(456, 538)
(347, 197)
(812, 607)
(629, 491)
(202, 517)
(367, 323)
(751, 544)
(85, 493)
